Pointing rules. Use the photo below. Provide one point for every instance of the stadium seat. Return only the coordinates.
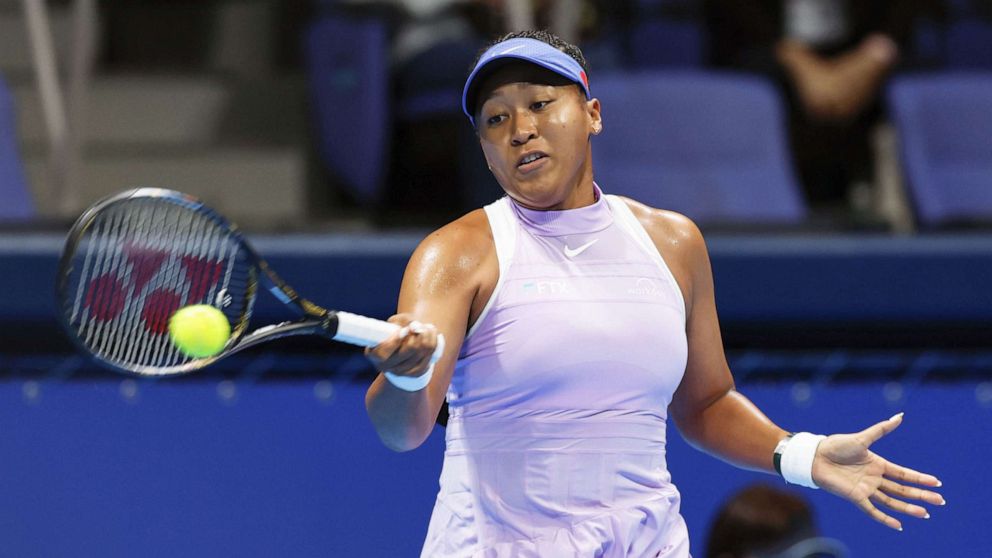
(943, 123)
(16, 204)
(667, 33)
(711, 146)
(667, 43)
(347, 60)
(430, 84)
(969, 44)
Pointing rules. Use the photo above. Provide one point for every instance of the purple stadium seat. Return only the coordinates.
(667, 43)
(711, 146)
(969, 44)
(15, 199)
(944, 124)
(347, 59)
(667, 33)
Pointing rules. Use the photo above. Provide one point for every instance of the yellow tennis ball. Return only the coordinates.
(200, 330)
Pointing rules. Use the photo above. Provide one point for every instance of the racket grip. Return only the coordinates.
(362, 331)
(368, 332)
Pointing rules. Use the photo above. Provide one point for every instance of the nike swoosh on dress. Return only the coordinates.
(570, 253)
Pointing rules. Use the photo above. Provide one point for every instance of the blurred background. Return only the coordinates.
(837, 154)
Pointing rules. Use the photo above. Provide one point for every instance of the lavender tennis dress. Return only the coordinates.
(558, 404)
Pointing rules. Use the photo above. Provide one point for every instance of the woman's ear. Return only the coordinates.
(595, 116)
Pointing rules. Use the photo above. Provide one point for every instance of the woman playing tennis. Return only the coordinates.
(577, 324)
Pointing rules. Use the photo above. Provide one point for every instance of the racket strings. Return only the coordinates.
(107, 299)
(115, 302)
(138, 262)
(163, 299)
(143, 265)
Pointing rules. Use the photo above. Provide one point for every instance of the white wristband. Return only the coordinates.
(411, 383)
(797, 459)
(417, 383)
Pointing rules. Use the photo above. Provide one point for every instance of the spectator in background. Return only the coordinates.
(564, 17)
(761, 521)
(831, 57)
(432, 42)
(436, 41)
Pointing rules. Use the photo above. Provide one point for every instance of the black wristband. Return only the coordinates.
(779, 450)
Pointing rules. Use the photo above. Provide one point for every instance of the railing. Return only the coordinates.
(64, 114)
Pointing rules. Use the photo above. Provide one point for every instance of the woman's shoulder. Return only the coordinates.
(665, 226)
(470, 232)
(459, 246)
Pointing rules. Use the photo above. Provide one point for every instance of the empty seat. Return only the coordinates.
(969, 44)
(667, 33)
(711, 146)
(347, 60)
(15, 199)
(944, 124)
(668, 43)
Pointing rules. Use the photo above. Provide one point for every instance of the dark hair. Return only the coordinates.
(544, 36)
(759, 518)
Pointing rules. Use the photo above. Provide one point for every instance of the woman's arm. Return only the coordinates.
(714, 417)
(707, 409)
(439, 287)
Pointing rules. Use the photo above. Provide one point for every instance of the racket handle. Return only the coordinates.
(369, 332)
(362, 331)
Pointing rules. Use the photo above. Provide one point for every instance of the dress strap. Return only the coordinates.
(503, 223)
(629, 223)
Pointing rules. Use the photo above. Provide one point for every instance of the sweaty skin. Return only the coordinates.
(526, 110)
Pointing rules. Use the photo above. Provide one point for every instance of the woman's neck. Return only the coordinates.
(582, 193)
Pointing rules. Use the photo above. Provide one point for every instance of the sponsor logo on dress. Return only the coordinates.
(537, 288)
(644, 287)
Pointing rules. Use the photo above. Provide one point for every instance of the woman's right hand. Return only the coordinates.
(408, 352)
(442, 279)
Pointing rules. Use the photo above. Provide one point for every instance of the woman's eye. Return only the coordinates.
(539, 105)
(494, 120)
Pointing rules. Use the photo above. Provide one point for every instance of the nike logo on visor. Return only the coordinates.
(511, 49)
(570, 253)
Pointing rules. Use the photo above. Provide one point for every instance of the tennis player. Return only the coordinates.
(577, 323)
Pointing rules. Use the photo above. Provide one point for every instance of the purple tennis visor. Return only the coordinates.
(529, 50)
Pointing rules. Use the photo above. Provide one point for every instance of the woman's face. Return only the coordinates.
(534, 127)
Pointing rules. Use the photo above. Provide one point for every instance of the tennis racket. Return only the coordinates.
(133, 259)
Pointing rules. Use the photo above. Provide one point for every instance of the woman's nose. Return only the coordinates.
(524, 129)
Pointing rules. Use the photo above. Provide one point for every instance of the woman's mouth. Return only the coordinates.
(531, 162)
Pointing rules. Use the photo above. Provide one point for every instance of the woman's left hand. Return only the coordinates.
(845, 466)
